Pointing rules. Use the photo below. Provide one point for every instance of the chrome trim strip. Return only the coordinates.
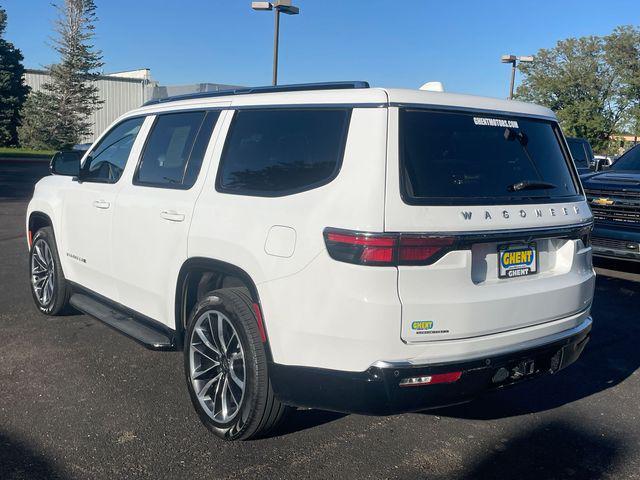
(302, 106)
(468, 237)
(535, 343)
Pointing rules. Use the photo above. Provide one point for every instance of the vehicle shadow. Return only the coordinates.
(550, 451)
(610, 357)
(19, 461)
(302, 419)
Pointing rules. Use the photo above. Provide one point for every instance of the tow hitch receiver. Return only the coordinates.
(523, 369)
(520, 370)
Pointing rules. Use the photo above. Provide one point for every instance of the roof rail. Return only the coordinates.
(267, 89)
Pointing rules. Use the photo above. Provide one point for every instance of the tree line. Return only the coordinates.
(58, 116)
(592, 83)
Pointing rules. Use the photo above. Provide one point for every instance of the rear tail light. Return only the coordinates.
(385, 249)
(450, 377)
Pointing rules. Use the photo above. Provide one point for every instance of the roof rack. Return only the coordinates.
(267, 89)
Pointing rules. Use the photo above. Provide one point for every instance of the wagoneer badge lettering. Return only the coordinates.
(522, 213)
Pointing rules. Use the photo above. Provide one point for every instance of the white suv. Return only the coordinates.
(331, 246)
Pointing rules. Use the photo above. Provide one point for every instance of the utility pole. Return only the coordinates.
(278, 6)
(512, 59)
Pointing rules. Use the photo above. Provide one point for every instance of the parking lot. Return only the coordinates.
(78, 400)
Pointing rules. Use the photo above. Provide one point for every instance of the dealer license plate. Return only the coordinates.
(517, 260)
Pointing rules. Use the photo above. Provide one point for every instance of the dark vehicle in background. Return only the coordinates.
(614, 198)
(582, 154)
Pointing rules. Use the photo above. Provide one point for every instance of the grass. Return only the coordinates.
(25, 153)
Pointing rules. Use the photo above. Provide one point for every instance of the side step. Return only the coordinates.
(139, 329)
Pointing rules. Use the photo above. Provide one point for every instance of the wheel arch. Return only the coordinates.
(192, 274)
(38, 220)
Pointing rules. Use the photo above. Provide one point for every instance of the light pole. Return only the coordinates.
(279, 6)
(512, 59)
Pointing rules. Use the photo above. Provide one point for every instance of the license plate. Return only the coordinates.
(517, 260)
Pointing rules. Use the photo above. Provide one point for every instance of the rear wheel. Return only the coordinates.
(48, 286)
(226, 368)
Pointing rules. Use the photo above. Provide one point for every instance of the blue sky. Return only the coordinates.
(389, 43)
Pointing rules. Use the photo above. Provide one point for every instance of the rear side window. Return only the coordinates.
(455, 158)
(282, 151)
(175, 149)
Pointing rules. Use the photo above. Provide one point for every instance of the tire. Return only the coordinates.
(234, 398)
(49, 288)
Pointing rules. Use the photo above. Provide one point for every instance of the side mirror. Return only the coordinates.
(66, 163)
(601, 164)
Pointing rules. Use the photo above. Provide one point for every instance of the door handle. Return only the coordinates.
(172, 215)
(103, 204)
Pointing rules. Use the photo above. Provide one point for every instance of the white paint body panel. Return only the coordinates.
(319, 312)
(150, 240)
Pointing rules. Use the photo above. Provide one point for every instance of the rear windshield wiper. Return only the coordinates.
(530, 185)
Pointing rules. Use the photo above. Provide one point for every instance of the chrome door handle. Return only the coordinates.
(101, 204)
(172, 216)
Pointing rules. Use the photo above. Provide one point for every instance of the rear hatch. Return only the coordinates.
(499, 199)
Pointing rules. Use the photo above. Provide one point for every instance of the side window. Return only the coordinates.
(108, 158)
(282, 151)
(175, 149)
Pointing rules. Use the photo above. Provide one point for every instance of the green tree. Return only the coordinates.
(592, 83)
(13, 91)
(60, 116)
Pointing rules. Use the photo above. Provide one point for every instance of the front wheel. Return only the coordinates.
(226, 367)
(48, 286)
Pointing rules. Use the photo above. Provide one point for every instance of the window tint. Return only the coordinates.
(175, 148)
(463, 158)
(109, 157)
(629, 160)
(281, 151)
(578, 152)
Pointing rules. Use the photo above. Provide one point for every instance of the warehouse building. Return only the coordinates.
(124, 91)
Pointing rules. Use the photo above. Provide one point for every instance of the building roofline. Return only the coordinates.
(98, 77)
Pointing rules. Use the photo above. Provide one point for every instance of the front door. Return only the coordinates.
(88, 210)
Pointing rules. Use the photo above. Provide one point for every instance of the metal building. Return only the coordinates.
(121, 92)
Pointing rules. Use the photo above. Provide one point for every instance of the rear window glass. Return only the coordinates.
(282, 151)
(629, 160)
(466, 158)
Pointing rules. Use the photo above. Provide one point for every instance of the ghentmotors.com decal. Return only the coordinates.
(495, 122)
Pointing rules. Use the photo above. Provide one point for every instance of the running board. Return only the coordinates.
(142, 331)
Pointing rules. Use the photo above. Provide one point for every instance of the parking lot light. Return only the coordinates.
(279, 6)
(513, 59)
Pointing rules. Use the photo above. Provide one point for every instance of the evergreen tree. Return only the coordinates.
(60, 116)
(13, 91)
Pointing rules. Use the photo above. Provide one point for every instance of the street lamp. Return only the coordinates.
(512, 59)
(279, 6)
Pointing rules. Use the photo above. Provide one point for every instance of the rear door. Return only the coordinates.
(500, 194)
(153, 211)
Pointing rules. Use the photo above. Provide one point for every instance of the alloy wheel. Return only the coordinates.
(217, 366)
(42, 272)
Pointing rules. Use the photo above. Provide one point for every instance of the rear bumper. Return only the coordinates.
(623, 244)
(377, 390)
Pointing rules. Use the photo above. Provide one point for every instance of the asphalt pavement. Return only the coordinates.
(78, 400)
